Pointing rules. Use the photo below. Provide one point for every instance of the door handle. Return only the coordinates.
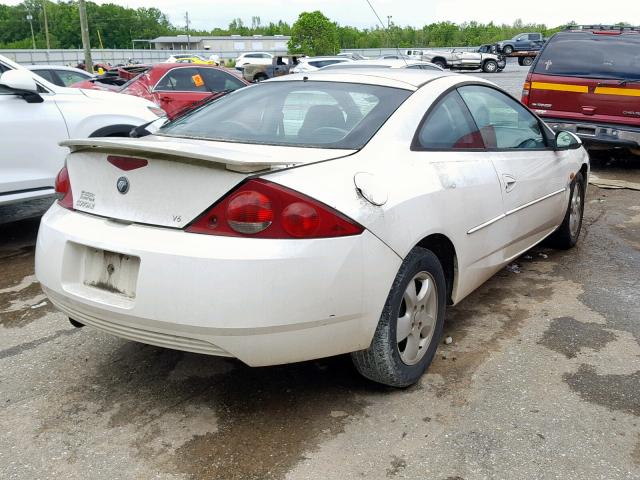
(509, 182)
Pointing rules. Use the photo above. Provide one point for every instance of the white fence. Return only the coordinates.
(119, 56)
(377, 52)
(111, 56)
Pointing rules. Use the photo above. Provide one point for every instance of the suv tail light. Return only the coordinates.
(261, 209)
(526, 90)
(63, 189)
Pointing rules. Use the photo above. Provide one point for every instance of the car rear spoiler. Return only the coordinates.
(242, 158)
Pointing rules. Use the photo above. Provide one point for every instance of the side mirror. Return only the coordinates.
(567, 140)
(23, 84)
(19, 80)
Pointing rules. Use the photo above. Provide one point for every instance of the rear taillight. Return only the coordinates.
(63, 189)
(526, 89)
(261, 209)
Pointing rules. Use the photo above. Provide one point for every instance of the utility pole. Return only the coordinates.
(46, 24)
(84, 29)
(389, 17)
(186, 17)
(33, 37)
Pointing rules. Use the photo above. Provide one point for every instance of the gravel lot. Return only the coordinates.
(541, 382)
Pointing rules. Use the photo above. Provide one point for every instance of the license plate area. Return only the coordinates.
(581, 130)
(111, 272)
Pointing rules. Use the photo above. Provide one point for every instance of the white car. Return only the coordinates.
(36, 115)
(308, 216)
(60, 75)
(382, 63)
(310, 64)
(253, 58)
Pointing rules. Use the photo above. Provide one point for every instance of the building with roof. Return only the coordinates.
(224, 44)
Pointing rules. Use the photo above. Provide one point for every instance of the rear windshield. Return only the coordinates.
(596, 56)
(314, 114)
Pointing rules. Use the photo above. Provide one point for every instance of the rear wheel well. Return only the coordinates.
(442, 247)
(113, 131)
(584, 170)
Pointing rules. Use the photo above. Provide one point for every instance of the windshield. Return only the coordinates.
(312, 114)
(595, 56)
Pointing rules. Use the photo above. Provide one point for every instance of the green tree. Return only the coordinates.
(314, 34)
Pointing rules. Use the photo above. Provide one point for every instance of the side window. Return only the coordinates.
(216, 80)
(49, 76)
(449, 126)
(69, 78)
(502, 121)
(182, 80)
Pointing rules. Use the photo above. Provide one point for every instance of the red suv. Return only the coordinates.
(587, 80)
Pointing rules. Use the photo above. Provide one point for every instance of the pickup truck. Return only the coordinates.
(522, 42)
(280, 65)
(461, 60)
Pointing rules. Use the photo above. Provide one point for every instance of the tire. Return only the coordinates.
(490, 66)
(402, 363)
(521, 61)
(259, 78)
(566, 236)
(440, 63)
(527, 61)
(507, 50)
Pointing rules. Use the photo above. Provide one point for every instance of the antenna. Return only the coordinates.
(386, 29)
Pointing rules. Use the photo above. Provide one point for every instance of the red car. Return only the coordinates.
(587, 80)
(175, 87)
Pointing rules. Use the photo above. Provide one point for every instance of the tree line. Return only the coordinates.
(114, 26)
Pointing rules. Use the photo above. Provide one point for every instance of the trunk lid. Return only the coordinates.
(169, 181)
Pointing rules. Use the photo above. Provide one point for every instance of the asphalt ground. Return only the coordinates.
(541, 381)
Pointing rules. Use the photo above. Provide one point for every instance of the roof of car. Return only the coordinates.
(54, 67)
(325, 57)
(386, 62)
(390, 77)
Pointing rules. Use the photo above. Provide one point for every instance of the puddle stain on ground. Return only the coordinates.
(263, 420)
(615, 392)
(269, 417)
(568, 336)
(17, 298)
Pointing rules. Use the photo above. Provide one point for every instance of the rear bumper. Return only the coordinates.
(599, 133)
(264, 302)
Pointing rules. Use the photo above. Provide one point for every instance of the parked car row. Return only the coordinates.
(230, 204)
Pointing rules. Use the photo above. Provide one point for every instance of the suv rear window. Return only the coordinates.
(591, 55)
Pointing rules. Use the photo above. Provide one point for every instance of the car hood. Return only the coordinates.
(107, 96)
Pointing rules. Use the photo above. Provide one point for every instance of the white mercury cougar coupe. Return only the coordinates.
(308, 216)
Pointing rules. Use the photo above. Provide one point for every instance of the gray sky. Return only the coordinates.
(206, 14)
